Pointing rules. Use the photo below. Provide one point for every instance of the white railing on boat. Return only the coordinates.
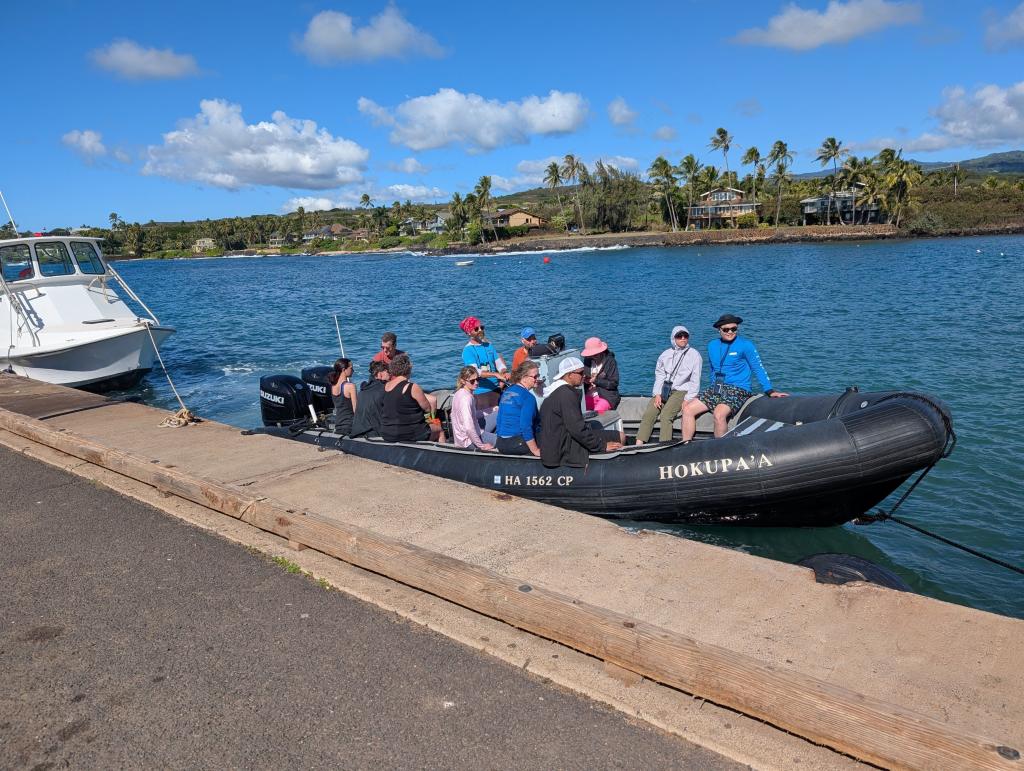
(124, 285)
(17, 302)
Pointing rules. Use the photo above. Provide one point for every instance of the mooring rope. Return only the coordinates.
(184, 416)
(881, 515)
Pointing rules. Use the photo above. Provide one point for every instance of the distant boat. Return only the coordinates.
(463, 263)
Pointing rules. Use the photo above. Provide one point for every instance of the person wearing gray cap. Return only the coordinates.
(676, 381)
(565, 437)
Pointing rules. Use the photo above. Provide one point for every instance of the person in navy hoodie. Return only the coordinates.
(733, 360)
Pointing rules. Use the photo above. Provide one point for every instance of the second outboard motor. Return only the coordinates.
(284, 400)
(319, 386)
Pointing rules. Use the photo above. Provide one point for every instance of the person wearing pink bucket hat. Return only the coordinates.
(602, 381)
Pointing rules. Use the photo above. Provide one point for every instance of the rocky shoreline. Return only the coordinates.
(782, 235)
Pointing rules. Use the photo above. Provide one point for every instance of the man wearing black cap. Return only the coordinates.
(733, 360)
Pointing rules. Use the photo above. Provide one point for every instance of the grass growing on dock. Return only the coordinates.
(291, 567)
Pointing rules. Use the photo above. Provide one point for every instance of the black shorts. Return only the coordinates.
(513, 445)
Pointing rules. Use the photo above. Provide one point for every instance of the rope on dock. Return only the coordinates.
(182, 417)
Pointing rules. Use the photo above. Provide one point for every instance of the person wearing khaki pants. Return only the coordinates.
(676, 374)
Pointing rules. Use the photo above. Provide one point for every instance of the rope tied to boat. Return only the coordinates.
(881, 515)
(184, 416)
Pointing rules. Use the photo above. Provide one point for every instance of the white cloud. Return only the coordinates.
(409, 166)
(665, 133)
(88, 143)
(217, 147)
(1005, 31)
(989, 116)
(129, 60)
(310, 203)
(415, 193)
(122, 155)
(451, 117)
(620, 162)
(531, 173)
(333, 37)
(800, 29)
(619, 113)
(382, 196)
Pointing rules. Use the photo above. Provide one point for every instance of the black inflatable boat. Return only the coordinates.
(796, 461)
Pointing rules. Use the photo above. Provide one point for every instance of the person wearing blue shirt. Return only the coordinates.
(734, 360)
(517, 413)
(490, 366)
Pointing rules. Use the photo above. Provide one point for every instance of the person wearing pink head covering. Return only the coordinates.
(479, 353)
(602, 380)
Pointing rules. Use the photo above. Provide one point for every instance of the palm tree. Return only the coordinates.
(956, 176)
(457, 208)
(722, 140)
(900, 178)
(483, 196)
(661, 174)
(688, 169)
(752, 157)
(553, 179)
(571, 168)
(780, 157)
(831, 150)
(852, 174)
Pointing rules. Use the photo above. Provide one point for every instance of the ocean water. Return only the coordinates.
(942, 316)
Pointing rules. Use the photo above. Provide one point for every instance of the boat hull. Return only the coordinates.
(114, 361)
(832, 461)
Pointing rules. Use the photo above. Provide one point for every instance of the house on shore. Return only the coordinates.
(845, 209)
(437, 223)
(322, 233)
(721, 207)
(511, 218)
(278, 240)
(203, 244)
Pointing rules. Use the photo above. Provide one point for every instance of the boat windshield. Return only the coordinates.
(16, 261)
(89, 261)
(54, 259)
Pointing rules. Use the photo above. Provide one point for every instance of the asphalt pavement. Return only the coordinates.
(129, 639)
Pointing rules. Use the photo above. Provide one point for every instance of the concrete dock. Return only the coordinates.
(892, 678)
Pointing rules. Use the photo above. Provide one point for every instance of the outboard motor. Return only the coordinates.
(319, 386)
(284, 400)
(554, 346)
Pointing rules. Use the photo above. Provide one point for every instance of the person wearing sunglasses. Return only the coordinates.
(388, 348)
(733, 360)
(465, 417)
(676, 382)
(490, 366)
(517, 412)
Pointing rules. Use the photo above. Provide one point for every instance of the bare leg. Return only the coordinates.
(721, 415)
(691, 412)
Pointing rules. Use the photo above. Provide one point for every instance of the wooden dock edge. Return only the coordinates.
(863, 727)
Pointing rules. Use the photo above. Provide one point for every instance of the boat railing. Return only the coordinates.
(18, 303)
(130, 292)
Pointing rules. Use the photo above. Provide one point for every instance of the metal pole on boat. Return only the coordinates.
(9, 215)
(337, 328)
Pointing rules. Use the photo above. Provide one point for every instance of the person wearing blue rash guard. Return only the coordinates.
(734, 360)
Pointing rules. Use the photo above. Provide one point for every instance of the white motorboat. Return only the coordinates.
(61, 320)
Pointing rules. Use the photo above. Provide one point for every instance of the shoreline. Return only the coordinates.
(782, 235)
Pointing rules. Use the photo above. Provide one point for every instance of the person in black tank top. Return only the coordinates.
(343, 393)
(403, 407)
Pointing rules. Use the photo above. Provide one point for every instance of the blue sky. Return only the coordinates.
(191, 110)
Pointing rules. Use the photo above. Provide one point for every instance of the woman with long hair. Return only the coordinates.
(343, 393)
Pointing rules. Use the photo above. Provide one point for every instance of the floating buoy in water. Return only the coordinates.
(977, 251)
(547, 260)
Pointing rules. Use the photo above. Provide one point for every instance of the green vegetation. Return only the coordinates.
(978, 194)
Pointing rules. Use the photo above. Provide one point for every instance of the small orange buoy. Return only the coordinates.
(547, 260)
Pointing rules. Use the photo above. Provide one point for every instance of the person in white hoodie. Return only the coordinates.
(676, 381)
